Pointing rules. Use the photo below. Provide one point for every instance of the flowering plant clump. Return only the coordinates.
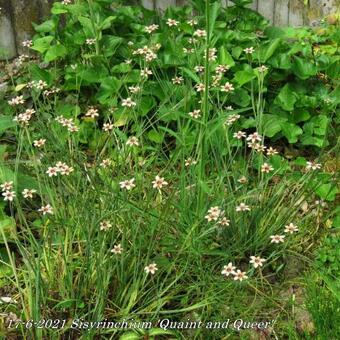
(158, 165)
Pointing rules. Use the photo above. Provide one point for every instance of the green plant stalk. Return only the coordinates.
(202, 133)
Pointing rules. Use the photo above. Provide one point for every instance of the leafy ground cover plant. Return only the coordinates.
(154, 174)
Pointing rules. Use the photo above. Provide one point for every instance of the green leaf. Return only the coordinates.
(286, 98)
(107, 22)
(213, 14)
(87, 26)
(272, 124)
(8, 228)
(145, 105)
(303, 68)
(291, 131)
(58, 8)
(156, 136)
(55, 52)
(327, 191)
(225, 57)
(6, 123)
(109, 44)
(243, 77)
(47, 26)
(268, 50)
(129, 336)
(191, 74)
(42, 44)
(109, 87)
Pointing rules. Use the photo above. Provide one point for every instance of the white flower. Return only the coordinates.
(229, 269)
(200, 33)
(177, 80)
(127, 184)
(213, 214)
(231, 119)
(105, 225)
(192, 22)
(313, 165)
(39, 142)
(242, 207)
(200, 87)
(199, 68)
(117, 249)
(172, 22)
(242, 180)
(92, 113)
(249, 50)
(271, 151)
(28, 193)
(151, 268)
(16, 101)
(291, 228)
(266, 168)
(52, 171)
(277, 238)
(257, 261)
(27, 43)
(107, 127)
(134, 89)
(151, 28)
(145, 72)
(195, 114)
(189, 161)
(159, 182)
(224, 222)
(105, 163)
(90, 41)
(8, 195)
(254, 137)
(262, 68)
(222, 68)
(240, 276)
(47, 209)
(132, 141)
(239, 135)
(6, 186)
(227, 87)
(128, 102)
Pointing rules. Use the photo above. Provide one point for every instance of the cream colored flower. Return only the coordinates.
(229, 269)
(151, 268)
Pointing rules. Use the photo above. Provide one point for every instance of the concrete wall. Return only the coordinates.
(16, 16)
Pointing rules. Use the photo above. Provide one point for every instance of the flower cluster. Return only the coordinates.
(59, 168)
(67, 122)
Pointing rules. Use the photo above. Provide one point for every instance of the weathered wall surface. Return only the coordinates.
(16, 16)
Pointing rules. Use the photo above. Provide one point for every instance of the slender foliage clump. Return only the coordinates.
(152, 170)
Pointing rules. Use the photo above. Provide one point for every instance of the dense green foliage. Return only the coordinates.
(177, 141)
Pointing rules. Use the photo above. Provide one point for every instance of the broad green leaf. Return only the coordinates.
(109, 87)
(6, 123)
(42, 44)
(286, 98)
(55, 52)
(47, 26)
(243, 77)
(225, 57)
(109, 44)
(191, 74)
(156, 136)
(291, 131)
(304, 69)
(87, 26)
(8, 228)
(272, 124)
(327, 191)
(268, 50)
